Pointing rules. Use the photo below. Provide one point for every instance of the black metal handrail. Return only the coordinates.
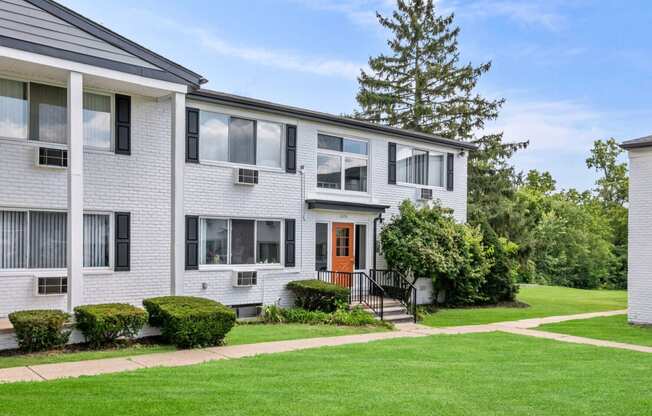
(397, 286)
(362, 288)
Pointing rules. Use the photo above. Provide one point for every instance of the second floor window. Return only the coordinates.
(342, 163)
(29, 110)
(419, 167)
(238, 140)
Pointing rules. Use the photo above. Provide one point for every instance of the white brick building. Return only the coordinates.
(118, 176)
(639, 275)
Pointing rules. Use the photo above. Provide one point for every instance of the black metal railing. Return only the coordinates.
(362, 288)
(397, 286)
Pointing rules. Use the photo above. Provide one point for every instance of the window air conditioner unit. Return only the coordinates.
(246, 176)
(51, 157)
(245, 278)
(425, 194)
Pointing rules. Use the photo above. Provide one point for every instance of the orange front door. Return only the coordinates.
(342, 260)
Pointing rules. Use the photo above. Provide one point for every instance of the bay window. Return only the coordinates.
(419, 167)
(37, 240)
(342, 161)
(223, 138)
(240, 241)
(38, 112)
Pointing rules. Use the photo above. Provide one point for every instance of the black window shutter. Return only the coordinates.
(291, 149)
(192, 135)
(450, 168)
(122, 241)
(122, 124)
(290, 243)
(391, 166)
(192, 242)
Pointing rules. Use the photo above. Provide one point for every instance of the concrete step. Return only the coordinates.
(399, 319)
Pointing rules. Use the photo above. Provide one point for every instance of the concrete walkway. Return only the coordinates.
(197, 356)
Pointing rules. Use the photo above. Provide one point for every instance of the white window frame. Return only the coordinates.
(227, 163)
(41, 143)
(343, 155)
(109, 267)
(54, 272)
(240, 267)
(429, 153)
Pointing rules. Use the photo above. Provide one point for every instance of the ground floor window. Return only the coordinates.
(321, 246)
(240, 241)
(360, 246)
(38, 240)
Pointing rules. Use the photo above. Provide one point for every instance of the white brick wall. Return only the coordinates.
(210, 191)
(139, 184)
(639, 280)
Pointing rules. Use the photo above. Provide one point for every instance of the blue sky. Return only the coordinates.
(571, 71)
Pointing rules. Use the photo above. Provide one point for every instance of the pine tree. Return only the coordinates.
(421, 85)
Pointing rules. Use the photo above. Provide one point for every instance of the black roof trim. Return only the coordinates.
(86, 59)
(181, 73)
(255, 104)
(345, 206)
(637, 143)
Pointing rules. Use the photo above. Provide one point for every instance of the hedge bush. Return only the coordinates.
(40, 330)
(342, 316)
(190, 322)
(315, 295)
(105, 323)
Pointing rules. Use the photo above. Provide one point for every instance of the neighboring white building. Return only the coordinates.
(121, 179)
(639, 275)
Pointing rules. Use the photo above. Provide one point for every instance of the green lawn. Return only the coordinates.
(475, 374)
(610, 328)
(240, 334)
(543, 301)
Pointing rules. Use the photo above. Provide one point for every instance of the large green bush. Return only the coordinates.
(105, 323)
(190, 322)
(428, 242)
(40, 330)
(315, 295)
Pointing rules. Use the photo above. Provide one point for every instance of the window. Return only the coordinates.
(419, 167)
(268, 242)
(269, 147)
(44, 116)
(47, 240)
(242, 241)
(321, 246)
(96, 240)
(342, 161)
(214, 136)
(360, 246)
(216, 237)
(436, 170)
(97, 121)
(52, 285)
(13, 243)
(342, 242)
(48, 116)
(37, 240)
(231, 139)
(13, 109)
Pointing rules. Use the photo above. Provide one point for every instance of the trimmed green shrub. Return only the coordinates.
(315, 295)
(105, 323)
(40, 330)
(190, 322)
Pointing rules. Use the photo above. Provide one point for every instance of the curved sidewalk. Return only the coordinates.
(188, 357)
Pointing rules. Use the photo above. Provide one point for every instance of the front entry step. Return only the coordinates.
(393, 311)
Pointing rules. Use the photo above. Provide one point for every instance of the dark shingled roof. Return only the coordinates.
(255, 104)
(637, 143)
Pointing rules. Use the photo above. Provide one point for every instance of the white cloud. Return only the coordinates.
(360, 12)
(276, 58)
(541, 13)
